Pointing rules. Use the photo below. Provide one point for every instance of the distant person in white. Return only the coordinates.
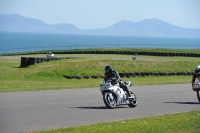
(50, 55)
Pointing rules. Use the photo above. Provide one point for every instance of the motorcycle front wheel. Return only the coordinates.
(198, 95)
(133, 103)
(109, 102)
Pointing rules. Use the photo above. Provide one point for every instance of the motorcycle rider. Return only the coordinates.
(196, 74)
(109, 73)
(50, 55)
(135, 56)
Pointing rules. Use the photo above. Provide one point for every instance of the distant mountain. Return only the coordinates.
(145, 28)
(18, 23)
(148, 28)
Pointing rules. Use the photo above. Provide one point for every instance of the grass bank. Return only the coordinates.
(172, 123)
(50, 75)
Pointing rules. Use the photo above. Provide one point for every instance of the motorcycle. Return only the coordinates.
(196, 87)
(50, 56)
(114, 96)
(135, 57)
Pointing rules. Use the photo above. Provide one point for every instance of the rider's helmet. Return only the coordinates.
(197, 69)
(49, 52)
(108, 69)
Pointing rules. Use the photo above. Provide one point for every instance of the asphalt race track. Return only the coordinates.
(40, 110)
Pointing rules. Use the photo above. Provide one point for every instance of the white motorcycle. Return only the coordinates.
(50, 56)
(135, 57)
(196, 87)
(114, 96)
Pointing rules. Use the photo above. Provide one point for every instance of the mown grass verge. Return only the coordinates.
(40, 83)
(188, 122)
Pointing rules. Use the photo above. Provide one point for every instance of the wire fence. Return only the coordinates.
(100, 46)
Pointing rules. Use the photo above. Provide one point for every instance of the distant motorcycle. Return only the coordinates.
(50, 55)
(196, 87)
(113, 95)
(135, 56)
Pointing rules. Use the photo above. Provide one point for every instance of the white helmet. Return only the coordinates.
(197, 69)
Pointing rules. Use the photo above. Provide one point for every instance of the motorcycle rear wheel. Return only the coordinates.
(133, 103)
(198, 95)
(111, 104)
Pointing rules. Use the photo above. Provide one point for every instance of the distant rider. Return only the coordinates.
(50, 55)
(109, 73)
(196, 74)
(135, 56)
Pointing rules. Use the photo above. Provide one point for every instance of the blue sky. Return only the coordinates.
(90, 14)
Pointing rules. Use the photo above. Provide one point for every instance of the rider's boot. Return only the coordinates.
(131, 96)
(127, 90)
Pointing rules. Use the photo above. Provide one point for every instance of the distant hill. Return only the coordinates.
(18, 23)
(148, 28)
(145, 28)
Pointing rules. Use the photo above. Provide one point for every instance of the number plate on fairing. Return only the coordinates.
(196, 85)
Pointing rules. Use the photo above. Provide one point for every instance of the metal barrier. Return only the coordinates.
(100, 46)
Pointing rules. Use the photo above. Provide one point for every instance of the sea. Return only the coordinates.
(12, 42)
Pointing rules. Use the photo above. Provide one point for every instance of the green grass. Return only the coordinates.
(188, 122)
(165, 50)
(49, 75)
(40, 83)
